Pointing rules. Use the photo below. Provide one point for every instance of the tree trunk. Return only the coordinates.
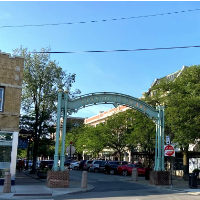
(35, 150)
(185, 165)
(149, 158)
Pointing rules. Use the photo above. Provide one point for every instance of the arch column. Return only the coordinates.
(55, 165)
(62, 155)
(159, 148)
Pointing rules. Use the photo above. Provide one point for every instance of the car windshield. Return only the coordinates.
(98, 162)
(139, 166)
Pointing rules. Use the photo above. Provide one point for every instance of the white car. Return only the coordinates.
(74, 165)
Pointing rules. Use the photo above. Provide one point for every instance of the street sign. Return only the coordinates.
(22, 144)
(169, 150)
(167, 139)
(72, 149)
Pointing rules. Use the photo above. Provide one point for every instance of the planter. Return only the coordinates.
(42, 175)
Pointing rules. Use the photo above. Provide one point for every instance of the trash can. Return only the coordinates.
(193, 180)
(147, 170)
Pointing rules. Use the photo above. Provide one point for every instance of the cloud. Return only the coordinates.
(4, 15)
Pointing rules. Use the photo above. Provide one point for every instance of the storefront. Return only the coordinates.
(8, 155)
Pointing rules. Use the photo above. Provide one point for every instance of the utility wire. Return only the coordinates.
(162, 48)
(104, 20)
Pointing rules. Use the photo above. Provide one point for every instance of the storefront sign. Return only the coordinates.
(22, 144)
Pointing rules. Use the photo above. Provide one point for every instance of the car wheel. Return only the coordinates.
(88, 169)
(112, 171)
(125, 173)
(96, 170)
(75, 168)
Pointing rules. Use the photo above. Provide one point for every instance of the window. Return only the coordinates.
(1, 98)
(97, 162)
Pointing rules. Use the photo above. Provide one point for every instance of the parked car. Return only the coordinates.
(74, 165)
(38, 164)
(111, 166)
(68, 162)
(87, 165)
(126, 170)
(30, 163)
(46, 164)
(97, 166)
(81, 164)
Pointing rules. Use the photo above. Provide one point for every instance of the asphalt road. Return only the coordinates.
(112, 187)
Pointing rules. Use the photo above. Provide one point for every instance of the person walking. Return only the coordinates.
(20, 165)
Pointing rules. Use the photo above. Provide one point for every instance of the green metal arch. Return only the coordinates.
(110, 98)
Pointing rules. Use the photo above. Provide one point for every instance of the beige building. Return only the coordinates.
(11, 76)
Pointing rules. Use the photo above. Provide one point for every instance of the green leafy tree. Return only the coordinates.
(94, 139)
(182, 99)
(87, 138)
(46, 148)
(143, 131)
(118, 130)
(42, 78)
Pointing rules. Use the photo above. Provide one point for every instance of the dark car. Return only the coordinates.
(111, 166)
(46, 164)
(68, 162)
(81, 164)
(97, 166)
(87, 165)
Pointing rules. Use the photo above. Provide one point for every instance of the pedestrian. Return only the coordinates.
(20, 165)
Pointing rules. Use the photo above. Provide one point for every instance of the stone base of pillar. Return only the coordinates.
(58, 179)
(159, 177)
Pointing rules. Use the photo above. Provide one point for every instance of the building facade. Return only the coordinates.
(11, 77)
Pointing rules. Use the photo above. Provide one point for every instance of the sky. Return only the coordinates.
(129, 73)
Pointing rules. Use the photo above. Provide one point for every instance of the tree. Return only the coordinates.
(87, 138)
(95, 139)
(182, 99)
(42, 78)
(46, 148)
(143, 132)
(117, 132)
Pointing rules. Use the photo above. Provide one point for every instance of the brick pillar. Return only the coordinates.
(159, 177)
(58, 179)
(7, 183)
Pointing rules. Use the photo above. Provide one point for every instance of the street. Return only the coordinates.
(110, 187)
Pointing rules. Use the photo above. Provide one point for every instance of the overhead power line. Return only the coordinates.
(104, 20)
(161, 48)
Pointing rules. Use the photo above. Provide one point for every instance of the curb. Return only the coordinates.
(171, 189)
(82, 190)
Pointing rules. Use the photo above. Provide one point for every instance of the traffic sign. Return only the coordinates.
(70, 148)
(169, 150)
(167, 139)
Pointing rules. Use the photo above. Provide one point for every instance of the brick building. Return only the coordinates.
(11, 76)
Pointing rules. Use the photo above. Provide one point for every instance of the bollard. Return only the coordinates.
(7, 183)
(84, 180)
(134, 174)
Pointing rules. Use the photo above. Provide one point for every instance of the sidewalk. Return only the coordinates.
(178, 184)
(29, 186)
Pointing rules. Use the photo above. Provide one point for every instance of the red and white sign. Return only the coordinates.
(169, 150)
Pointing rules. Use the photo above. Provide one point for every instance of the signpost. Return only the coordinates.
(70, 149)
(169, 151)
